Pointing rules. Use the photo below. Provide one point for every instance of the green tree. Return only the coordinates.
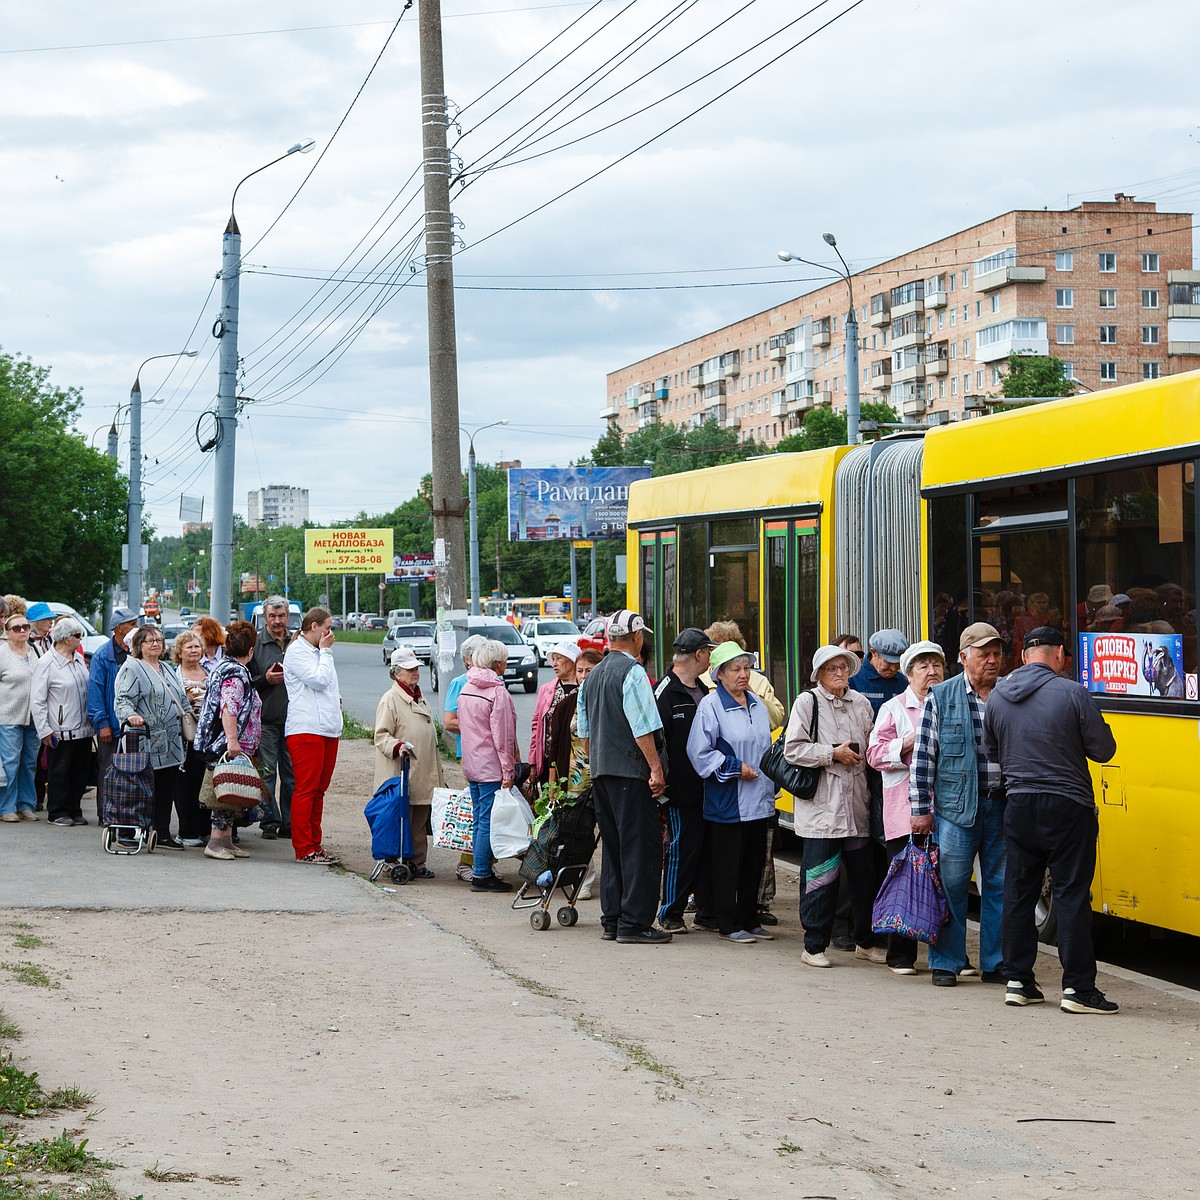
(823, 427)
(1036, 375)
(62, 512)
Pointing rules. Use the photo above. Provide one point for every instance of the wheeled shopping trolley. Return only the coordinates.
(127, 814)
(557, 860)
(387, 814)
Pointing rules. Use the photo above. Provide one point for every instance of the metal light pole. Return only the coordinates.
(852, 397)
(473, 503)
(226, 331)
(133, 531)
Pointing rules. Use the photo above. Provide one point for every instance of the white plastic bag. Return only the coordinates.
(512, 824)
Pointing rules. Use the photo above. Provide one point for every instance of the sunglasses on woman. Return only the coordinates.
(19, 628)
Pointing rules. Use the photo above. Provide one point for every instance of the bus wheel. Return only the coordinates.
(1044, 915)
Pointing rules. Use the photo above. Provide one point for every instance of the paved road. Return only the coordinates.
(363, 679)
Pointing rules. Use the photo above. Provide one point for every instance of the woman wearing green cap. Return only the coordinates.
(730, 734)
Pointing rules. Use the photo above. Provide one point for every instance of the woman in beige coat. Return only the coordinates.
(835, 823)
(404, 731)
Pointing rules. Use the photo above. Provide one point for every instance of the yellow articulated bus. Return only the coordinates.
(1079, 513)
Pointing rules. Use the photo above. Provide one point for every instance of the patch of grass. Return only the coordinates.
(9, 1030)
(787, 1148)
(353, 730)
(162, 1175)
(70, 1097)
(362, 637)
(56, 1156)
(30, 974)
(222, 1179)
(530, 985)
(28, 941)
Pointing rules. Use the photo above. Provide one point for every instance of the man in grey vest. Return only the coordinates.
(958, 795)
(619, 718)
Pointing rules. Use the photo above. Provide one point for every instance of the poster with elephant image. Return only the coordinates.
(1133, 664)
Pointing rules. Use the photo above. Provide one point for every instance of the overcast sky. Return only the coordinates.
(126, 127)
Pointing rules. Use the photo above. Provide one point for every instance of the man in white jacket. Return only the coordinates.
(314, 724)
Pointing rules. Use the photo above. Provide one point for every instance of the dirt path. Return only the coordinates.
(428, 1043)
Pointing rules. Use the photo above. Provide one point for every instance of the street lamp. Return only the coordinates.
(133, 532)
(852, 403)
(473, 502)
(226, 330)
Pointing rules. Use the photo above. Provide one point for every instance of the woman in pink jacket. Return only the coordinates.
(487, 722)
(890, 752)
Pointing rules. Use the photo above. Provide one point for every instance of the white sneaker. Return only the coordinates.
(875, 954)
(814, 960)
(903, 970)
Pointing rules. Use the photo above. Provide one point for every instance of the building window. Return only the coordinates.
(1064, 297)
(1064, 260)
(941, 321)
(966, 347)
(1108, 335)
(1108, 372)
(966, 277)
(997, 377)
(979, 379)
(952, 279)
(954, 386)
(953, 317)
(1150, 266)
(1150, 335)
(1108, 263)
(1064, 335)
(1151, 370)
(1149, 297)
(1108, 297)
(995, 303)
(1068, 369)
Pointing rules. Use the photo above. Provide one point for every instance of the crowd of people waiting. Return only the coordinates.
(259, 693)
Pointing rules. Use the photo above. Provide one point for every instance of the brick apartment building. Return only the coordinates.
(1107, 287)
(276, 505)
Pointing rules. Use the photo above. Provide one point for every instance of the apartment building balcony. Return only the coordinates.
(821, 332)
(912, 336)
(647, 415)
(714, 393)
(912, 406)
(1183, 291)
(881, 314)
(881, 374)
(779, 406)
(611, 413)
(1018, 336)
(935, 300)
(732, 421)
(1183, 335)
(990, 281)
(937, 361)
(731, 363)
(909, 374)
(908, 298)
(777, 353)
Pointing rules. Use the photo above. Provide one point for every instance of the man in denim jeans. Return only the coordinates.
(266, 672)
(958, 795)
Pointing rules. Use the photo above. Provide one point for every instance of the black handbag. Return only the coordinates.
(800, 781)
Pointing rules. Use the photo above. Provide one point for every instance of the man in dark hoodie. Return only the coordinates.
(1042, 729)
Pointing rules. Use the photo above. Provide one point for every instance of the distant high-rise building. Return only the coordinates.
(1108, 288)
(277, 505)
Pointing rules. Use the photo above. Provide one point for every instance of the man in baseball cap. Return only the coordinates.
(964, 809)
(617, 715)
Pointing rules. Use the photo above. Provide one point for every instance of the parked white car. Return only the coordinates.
(546, 634)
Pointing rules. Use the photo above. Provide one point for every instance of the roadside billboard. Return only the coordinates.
(347, 551)
(412, 568)
(556, 503)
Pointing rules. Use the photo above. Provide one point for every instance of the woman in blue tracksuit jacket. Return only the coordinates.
(729, 736)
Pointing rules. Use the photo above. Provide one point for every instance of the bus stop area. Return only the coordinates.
(302, 1032)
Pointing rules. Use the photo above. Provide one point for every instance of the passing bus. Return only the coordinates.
(1079, 513)
(510, 607)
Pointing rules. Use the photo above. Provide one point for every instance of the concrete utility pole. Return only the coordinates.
(446, 501)
(852, 405)
(226, 331)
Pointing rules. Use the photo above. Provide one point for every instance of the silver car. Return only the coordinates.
(416, 635)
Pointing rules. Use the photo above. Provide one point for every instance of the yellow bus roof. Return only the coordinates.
(1140, 418)
(775, 480)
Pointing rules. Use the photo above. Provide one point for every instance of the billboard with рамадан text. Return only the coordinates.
(556, 503)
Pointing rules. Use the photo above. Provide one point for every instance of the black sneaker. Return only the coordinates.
(944, 979)
(1087, 1002)
(671, 925)
(269, 833)
(62, 822)
(169, 843)
(704, 926)
(766, 917)
(645, 937)
(285, 831)
(993, 977)
(1019, 994)
(609, 935)
(490, 883)
(844, 943)
(79, 820)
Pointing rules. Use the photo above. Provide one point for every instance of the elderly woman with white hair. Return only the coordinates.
(730, 733)
(406, 735)
(487, 721)
(890, 752)
(828, 728)
(58, 703)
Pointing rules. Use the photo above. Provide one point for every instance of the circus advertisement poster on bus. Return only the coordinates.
(555, 503)
(1133, 664)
